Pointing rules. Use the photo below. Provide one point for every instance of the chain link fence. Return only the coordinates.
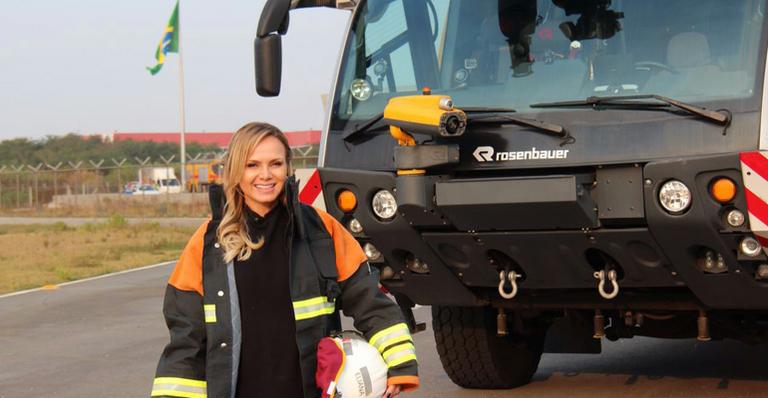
(99, 186)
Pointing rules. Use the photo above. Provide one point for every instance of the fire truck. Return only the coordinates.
(546, 174)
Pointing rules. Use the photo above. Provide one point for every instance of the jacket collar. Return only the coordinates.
(218, 200)
(293, 205)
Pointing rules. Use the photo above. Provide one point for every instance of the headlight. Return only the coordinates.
(750, 247)
(361, 89)
(674, 196)
(371, 252)
(355, 226)
(735, 218)
(384, 204)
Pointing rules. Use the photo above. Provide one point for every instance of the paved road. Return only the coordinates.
(102, 338)
(75, 221)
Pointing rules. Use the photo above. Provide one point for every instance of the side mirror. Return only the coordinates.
(268, 47)
(269, 64)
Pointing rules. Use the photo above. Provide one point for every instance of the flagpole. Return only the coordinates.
(181, 109)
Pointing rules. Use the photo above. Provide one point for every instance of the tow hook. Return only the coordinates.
(510, 276)
(612, 277)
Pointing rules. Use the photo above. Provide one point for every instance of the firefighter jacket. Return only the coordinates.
(328, 272)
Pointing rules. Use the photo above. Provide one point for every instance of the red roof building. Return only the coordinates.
(295, 138)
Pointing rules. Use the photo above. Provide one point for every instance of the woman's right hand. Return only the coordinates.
(392, 391)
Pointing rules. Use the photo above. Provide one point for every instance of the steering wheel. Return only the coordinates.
(651, 65)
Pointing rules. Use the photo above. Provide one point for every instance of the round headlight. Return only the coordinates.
(371, 252)
(735, 218)
(361, 89)
(674, 196)
(384, 204)
(355, 226)
(750, 247)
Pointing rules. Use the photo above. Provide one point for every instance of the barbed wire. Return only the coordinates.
(96, 164)
(37, 185)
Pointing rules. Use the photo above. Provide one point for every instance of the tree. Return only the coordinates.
(74, 148)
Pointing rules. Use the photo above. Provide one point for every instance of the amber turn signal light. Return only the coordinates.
(346, 200)
(723, 190)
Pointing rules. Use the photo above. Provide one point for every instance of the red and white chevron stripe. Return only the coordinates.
(754, 172)
(310, 188)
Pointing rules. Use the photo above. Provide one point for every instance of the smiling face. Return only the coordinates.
(263, 180)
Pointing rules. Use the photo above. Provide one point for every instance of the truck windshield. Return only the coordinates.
(514, 53)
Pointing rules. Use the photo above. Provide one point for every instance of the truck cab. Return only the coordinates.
(610, 179)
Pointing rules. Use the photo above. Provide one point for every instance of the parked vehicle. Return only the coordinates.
(171, 185)
(130, 187)
(161, 177)
(582, 169)
(146, 189)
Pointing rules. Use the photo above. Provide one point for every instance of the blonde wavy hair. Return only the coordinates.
(232, 232)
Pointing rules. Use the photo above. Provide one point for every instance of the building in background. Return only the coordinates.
(205, 171)
(295, 138)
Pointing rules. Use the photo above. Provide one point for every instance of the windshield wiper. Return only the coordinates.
(722, 117)
(474, 115)
(505, 116)
(361, 127)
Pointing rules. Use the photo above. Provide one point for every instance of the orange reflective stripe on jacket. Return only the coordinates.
(349, 254)
(188, 273)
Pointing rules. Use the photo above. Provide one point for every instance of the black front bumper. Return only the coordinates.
(558, 240)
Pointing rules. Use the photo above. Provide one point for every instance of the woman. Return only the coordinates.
(258, 285)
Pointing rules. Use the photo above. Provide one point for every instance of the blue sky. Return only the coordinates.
(79, 66)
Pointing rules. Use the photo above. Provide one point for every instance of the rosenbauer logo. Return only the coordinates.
(488, 154)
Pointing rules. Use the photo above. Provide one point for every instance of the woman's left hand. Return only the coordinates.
(392, 391)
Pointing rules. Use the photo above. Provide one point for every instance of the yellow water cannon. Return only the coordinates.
(432, 115)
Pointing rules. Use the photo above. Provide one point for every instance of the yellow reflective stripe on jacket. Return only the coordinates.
(179, 387)
(390, 336)
(210, 313)
(399, 355)
(314, 307)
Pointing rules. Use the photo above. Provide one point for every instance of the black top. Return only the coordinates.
(269, 357)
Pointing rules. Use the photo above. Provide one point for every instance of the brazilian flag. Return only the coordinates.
(170, 41)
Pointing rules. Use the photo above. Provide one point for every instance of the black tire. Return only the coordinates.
(473, 355)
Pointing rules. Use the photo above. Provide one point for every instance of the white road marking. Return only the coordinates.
(89, 279)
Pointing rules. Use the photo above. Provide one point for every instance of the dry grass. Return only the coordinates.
(129, 209)
(36, 255)
(150, 207)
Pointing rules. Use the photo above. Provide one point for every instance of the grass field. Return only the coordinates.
(127, 209)
(149, 207)
(35, 255)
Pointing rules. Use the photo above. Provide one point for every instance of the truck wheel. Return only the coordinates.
(473, 355)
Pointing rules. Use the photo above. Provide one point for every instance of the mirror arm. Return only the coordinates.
(273, 24)
(274, 18)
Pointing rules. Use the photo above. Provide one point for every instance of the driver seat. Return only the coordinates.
(689, 50)
(692, 68)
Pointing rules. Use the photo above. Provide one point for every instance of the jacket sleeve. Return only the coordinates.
(374, 314)
(181, 369)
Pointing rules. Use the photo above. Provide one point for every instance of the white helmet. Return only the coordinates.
(362, 372)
